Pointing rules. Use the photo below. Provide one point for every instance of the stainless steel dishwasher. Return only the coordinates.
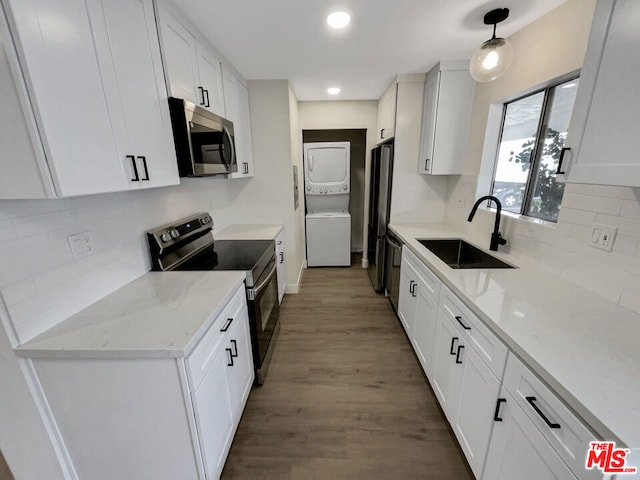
(392, 269)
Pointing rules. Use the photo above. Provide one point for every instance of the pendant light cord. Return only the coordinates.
(494, 31)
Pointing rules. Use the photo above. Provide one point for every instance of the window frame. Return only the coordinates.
(549, 91)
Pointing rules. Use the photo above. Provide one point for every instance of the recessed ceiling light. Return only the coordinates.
(338, 19)
(333, 91)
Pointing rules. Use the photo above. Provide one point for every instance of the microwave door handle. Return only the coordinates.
(232, 160)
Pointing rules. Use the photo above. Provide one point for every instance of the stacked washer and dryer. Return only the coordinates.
(327, 189)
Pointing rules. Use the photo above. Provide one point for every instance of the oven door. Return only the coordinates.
(266, 309)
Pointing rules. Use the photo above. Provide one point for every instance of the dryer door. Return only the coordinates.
(327, 166)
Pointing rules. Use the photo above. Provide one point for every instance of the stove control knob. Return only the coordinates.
(344, 187)
(174, 233)
(165, 237)
(325, 190)
(308, 188)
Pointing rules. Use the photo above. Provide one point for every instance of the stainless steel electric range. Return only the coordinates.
(188, 244)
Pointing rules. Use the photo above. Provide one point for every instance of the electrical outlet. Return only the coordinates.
(603, 236)
(81, 244)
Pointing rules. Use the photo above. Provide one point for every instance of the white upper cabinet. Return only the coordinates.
(387, 114)
(236, 101)
(601, 141)
(92, 75)
(446, 113)
(192, 69)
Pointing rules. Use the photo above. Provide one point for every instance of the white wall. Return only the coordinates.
(414, 198)
(345, 115)
(551, 46)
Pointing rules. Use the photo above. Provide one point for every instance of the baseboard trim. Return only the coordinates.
(365, 263)
(294, 289)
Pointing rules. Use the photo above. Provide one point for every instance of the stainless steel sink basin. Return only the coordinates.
(457, 253)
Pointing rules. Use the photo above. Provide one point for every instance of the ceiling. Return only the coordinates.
(278, 39)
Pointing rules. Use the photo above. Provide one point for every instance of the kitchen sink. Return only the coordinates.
(457, 253)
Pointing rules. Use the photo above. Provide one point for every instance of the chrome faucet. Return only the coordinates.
(496, 238)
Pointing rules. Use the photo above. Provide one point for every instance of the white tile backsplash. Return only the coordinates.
(564, 248)
(40, 282)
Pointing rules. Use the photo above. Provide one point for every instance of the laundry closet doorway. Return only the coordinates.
(357, 139)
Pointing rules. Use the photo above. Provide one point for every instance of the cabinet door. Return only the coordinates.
(240, 371)
(236, 102)
(387, 114)
(66, 91)
(407, 298)
(214, 416)
(429, 111)
(424, 332)
(446, 372)
(181, 66)
(135, 89)
(605, 121)
(210, 79)
(282, 266)
(473, 419)
(518, 450)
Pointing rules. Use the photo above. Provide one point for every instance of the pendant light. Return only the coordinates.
(494, 56)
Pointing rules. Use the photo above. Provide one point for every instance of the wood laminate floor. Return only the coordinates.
(345, 396)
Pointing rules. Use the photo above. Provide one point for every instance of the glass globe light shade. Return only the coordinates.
(490, 60)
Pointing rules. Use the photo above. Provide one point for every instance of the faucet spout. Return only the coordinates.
(496, 238)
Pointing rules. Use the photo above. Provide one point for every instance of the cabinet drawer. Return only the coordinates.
(490, 349)
(570, 438)
(202, 356)
(428, 278)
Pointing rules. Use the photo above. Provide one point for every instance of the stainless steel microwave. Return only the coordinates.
(205, 143)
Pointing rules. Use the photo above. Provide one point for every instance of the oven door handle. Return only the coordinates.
(257, 289)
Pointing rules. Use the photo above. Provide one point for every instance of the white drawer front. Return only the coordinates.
(569, 437)
(202, 356)
(430, 281)
(490, 349)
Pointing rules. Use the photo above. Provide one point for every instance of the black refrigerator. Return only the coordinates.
(379, 208)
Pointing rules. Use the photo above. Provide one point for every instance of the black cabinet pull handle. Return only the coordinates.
(460, 348)
(496, 414)
(452, 349)
(459, 319)
(235, 347)
(227, 325)
(281, 257)
(206, 93)
(382, 133)
(245, 167)
(562, 152)
(146, 170)
(201, 94)
(230, 357)
(549, 423)
(136, 177)
(411, 282)
(426, 164)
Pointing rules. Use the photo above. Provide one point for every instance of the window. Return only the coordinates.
(533, 132)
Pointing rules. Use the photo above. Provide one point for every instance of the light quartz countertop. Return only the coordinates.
(159, 315)
(584, 347)
(248, 232)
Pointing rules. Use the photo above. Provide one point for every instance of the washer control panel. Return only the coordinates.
(327, 189)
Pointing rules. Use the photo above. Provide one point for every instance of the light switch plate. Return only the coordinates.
(603, 236)
(81, 244)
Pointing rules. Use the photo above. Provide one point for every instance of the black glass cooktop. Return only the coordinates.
(232, 255)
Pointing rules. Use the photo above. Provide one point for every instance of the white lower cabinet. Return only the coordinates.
(508, 423)
(214, 417)
(518, 449)
(281, 258)
(156, 418)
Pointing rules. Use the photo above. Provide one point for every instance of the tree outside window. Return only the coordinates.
(533, 132)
